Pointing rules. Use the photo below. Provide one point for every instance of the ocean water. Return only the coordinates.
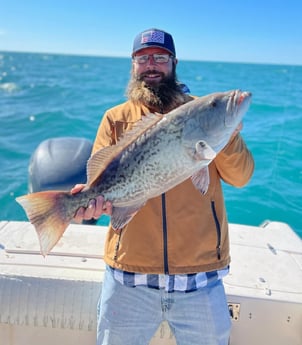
(44, 96)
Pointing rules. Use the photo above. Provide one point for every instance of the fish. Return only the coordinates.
(158, 153)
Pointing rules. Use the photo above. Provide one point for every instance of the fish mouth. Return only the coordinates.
(237, 105)
(238, 97)
(243, 96)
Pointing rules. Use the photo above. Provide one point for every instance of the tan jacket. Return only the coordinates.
(181, 231)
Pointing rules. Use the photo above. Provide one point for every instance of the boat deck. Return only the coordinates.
(53, 299)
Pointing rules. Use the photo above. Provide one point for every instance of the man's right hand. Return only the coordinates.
(95, 208)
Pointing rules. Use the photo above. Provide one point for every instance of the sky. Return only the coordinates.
(257, 31)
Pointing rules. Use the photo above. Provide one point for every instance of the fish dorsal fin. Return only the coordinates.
(100, 160)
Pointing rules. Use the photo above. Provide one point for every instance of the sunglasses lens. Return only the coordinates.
(157, 58)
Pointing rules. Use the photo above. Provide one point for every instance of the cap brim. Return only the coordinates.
(152, 46)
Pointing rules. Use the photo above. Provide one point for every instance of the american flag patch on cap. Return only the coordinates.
(153, 37)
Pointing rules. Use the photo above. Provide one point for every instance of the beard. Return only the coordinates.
(160, 96)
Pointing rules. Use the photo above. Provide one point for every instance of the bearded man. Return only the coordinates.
(168, 262)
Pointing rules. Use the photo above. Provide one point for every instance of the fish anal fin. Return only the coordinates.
(201, 180)
(121, 216)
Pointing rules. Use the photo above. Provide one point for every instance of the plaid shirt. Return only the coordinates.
(178, 282)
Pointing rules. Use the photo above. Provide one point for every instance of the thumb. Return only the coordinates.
(77, 188)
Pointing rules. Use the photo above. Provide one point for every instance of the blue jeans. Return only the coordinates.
(131, 316)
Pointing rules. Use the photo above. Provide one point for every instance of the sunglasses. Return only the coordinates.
(157, 58)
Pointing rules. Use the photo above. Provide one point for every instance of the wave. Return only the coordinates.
(9, 87)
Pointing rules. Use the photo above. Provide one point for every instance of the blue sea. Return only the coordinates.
(45, 96)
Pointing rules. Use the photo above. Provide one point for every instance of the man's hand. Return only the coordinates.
(95, 208)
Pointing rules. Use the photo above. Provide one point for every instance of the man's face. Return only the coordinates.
(152, 68)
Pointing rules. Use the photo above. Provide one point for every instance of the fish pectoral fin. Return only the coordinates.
(203, 151)
(201, 180)
(121, 216)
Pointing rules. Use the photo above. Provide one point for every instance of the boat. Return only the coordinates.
(54, 299)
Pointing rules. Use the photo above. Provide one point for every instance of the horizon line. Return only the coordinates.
(126, 57)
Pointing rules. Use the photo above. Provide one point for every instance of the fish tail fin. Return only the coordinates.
(47, 211)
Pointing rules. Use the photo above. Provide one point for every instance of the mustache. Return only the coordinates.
(147, 73)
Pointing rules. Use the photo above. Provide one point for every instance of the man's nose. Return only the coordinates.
(151, 61)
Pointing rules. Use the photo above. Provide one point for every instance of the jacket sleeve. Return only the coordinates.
(235, 163)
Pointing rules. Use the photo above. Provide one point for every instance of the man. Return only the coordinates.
(169, 261)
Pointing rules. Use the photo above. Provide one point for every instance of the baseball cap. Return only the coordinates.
(154, 38)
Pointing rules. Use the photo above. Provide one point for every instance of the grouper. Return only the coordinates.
(158, 153)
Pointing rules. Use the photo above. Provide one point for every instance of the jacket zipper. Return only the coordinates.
(218, 230)
(165, 233)
(164, 224)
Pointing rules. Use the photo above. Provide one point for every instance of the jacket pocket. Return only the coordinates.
(218, 230)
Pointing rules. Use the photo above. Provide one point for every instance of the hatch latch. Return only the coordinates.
(234, 309)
